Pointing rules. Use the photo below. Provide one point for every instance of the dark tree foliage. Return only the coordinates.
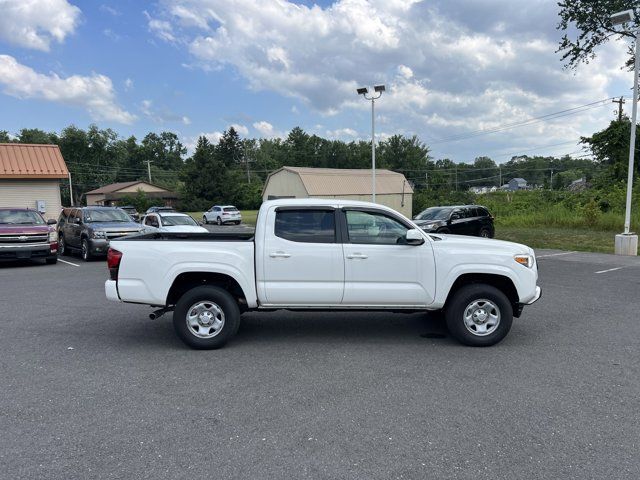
(587, 25)
(610, 147)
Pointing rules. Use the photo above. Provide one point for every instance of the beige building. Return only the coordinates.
(30, 177)
(111, 195)
(392, 189)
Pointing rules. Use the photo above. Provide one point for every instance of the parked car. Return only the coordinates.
(172, 222)
(324, 255)
(132, 212)
(160, 209)
(222, 214)
(25, 234)
(90, 229)
(460, 220)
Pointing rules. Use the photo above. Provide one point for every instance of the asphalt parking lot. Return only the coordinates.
(94, 389)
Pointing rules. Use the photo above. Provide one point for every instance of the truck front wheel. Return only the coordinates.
(479, 315)
(206, 317)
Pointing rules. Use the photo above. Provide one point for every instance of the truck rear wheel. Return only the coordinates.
(479, 315)
(206, 317)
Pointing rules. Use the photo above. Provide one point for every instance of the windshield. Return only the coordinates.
(20, 217)
(435, 213)
(230, 209)
(169, 221)
(110, 215)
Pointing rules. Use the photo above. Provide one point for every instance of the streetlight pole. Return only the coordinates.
(627, 242)
(378, 89)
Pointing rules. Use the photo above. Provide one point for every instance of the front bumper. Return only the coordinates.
(98, 246)
(31, 250)
(536, 297)
(111, 290)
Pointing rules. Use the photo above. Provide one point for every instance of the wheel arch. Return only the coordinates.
(501, 282)
(188, 280)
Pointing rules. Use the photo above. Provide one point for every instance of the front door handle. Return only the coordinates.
(357, 255)
(279, 255)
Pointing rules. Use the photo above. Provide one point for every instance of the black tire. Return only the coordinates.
(61, 246)
(237, 223)
(485, 233)
(219, 221)
(462, 299)
(52, 260)
(85, 251)
(204, 220)
(223, 300)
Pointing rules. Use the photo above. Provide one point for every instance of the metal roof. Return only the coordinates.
(23, 160)
(114, 187)
(339, 181)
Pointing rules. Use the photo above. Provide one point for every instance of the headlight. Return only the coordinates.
(431, 226)
(99, 234)
(53, 236)
(526, 260)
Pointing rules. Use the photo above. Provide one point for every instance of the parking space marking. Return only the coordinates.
(609, 270)
(68, 263)
(555, 254)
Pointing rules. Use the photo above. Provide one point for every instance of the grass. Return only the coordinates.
(248, 216)
(560, 238)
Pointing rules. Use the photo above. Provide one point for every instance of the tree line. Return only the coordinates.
(234, 169)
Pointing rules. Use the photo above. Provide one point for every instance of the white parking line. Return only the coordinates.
(68, 263)
(609, 270)
(555, 254)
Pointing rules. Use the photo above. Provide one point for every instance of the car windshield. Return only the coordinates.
(20, 217)
(106, 215)
(230, 209)
(435, 213)
(169, 221)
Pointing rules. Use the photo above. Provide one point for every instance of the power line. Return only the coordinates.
(530, 121)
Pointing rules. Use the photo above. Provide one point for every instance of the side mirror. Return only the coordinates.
(414, 237)
(52, 221)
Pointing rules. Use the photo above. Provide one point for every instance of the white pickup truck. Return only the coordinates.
(324, 254)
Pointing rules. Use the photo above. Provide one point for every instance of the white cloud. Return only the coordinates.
(94, 93)
(110, 10)
(241, 129)
(160, 28)
(342, 133)
(37, 23)
(186, 120)
(265, 129)
(128, 84)
(450, 66)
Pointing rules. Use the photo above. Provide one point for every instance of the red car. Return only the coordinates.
(24, 234)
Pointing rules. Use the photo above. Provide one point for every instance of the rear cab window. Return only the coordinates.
(306, 225)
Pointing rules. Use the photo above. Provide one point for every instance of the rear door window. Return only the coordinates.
(306, 226)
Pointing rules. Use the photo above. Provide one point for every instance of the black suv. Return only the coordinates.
(460, 220)
(133, 213)
(89, 229)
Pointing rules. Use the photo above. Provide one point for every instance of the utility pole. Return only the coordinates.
(619, 102)
(246, 161)
(456, 178)
(499, 176)
(426, 180)
(149, 169)
(378, 89)
(70, 191)
(551, 180)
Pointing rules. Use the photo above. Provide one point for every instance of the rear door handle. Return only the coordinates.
(357, 255)
(279, 255)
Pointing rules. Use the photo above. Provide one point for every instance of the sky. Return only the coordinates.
(458, 74)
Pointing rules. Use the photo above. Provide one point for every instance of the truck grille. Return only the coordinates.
(24, 238)
(114, 235)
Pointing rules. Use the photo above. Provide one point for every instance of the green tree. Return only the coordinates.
(587, 25)
(35, 135)
(610, 147)
(4, 137)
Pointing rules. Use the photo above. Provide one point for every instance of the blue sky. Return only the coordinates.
(196, 67)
